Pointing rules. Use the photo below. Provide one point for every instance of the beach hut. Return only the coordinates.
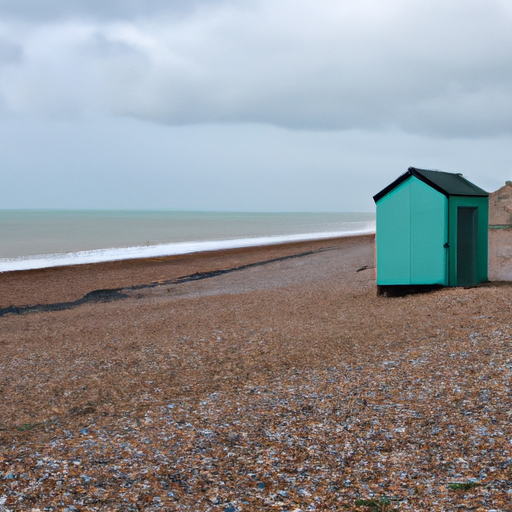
(432, 230)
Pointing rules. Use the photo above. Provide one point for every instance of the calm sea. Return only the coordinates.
(46, 238)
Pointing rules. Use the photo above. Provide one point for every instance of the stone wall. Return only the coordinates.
(500, 234)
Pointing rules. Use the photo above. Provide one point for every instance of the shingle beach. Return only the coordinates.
(269, 378)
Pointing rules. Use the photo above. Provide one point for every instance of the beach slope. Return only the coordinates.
(269, 378)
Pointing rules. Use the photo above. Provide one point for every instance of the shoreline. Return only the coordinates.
(40, 261)
(71, 282)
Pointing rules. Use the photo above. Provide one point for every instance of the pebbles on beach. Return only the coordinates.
(310, 394)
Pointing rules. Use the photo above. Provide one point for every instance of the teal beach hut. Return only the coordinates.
(432, 230)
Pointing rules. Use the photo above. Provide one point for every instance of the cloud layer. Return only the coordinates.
(441, 68)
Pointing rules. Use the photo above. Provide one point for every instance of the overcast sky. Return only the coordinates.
(253, 105)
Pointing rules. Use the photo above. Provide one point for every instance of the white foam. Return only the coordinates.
(152, 251)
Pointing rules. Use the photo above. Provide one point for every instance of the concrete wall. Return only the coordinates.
(500, 234)
(500, 254)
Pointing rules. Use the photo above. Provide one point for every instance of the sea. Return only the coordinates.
(31, 239)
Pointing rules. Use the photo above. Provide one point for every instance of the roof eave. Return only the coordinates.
(413, 172)
(385, 191)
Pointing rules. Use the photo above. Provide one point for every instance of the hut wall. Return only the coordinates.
(429, 214)
(393, 237)
(411, 233)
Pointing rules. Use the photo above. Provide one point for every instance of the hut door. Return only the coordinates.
(467, 240)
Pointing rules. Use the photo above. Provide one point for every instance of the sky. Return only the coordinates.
(248, 105)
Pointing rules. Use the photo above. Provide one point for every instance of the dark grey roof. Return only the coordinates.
(447, 183)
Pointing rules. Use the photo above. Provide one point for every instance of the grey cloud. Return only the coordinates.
(10, 53)
(37, 10)
(482, 112)
(453, 81)
(103, 47)
(433, 67)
